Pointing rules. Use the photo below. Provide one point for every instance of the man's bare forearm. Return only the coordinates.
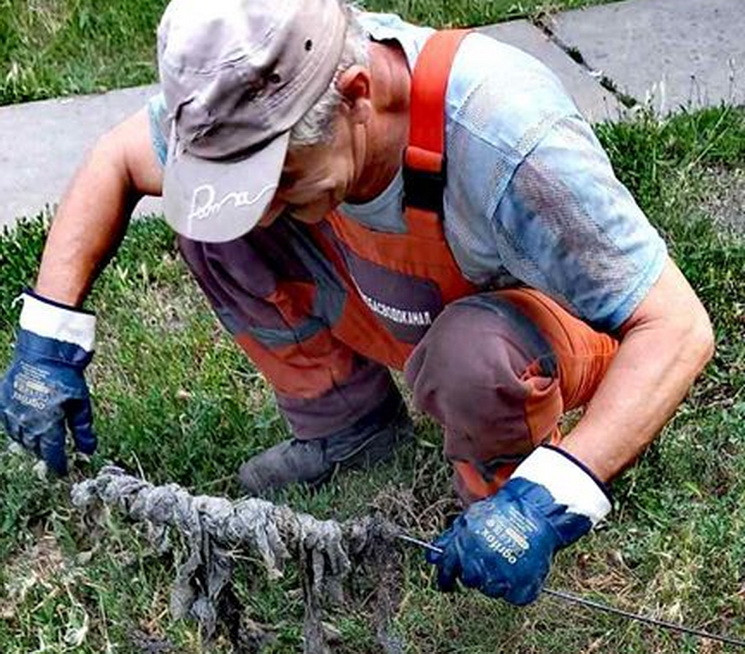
(94, 214)
(665, 347)
(86, 230)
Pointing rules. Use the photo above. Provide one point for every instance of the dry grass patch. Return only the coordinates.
(724, 197)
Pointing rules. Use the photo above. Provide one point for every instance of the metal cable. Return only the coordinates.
(598, 606)
(569, 597)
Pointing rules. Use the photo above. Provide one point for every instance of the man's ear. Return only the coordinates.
(355, 86)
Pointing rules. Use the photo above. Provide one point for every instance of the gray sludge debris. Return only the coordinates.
(213, 529)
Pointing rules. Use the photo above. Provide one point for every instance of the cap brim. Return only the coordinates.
(216, 201)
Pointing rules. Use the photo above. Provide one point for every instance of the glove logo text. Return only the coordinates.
(495, 544)
(30, 388)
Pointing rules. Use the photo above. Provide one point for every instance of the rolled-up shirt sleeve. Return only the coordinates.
(157, 113)
(568, 227)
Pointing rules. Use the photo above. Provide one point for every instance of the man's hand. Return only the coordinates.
(503, 545)
(43, 393)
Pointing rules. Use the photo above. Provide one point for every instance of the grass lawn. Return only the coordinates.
(50, 48)
(175, 400)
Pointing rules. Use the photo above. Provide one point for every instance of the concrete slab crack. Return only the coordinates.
(543, 22)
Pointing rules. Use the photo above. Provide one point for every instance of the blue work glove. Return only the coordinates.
(504, 544)
(43, 392)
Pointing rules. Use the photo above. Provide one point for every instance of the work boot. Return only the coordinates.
(313, 462)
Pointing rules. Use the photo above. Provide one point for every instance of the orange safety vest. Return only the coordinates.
(417, 265)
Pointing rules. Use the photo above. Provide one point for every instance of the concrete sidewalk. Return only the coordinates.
(665, 53)
(43, 143)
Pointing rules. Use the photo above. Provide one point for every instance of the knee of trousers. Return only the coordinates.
(486, 373)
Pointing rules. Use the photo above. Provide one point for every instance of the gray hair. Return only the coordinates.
(317, 125)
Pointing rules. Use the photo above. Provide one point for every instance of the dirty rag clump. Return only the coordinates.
(213, 528)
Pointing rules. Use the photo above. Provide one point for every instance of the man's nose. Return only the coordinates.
(275, 208)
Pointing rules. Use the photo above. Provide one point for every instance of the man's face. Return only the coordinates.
(315, 179)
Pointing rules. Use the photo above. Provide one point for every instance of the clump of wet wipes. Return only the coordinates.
(214, 528)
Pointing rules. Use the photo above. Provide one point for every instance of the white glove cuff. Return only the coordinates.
(568, 481)
(51, 320)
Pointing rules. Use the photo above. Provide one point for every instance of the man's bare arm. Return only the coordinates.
(95, 211)
(665, 344)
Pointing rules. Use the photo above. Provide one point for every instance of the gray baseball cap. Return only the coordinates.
(236, 76)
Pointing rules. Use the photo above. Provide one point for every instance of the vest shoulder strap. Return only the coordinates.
(424, 161)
